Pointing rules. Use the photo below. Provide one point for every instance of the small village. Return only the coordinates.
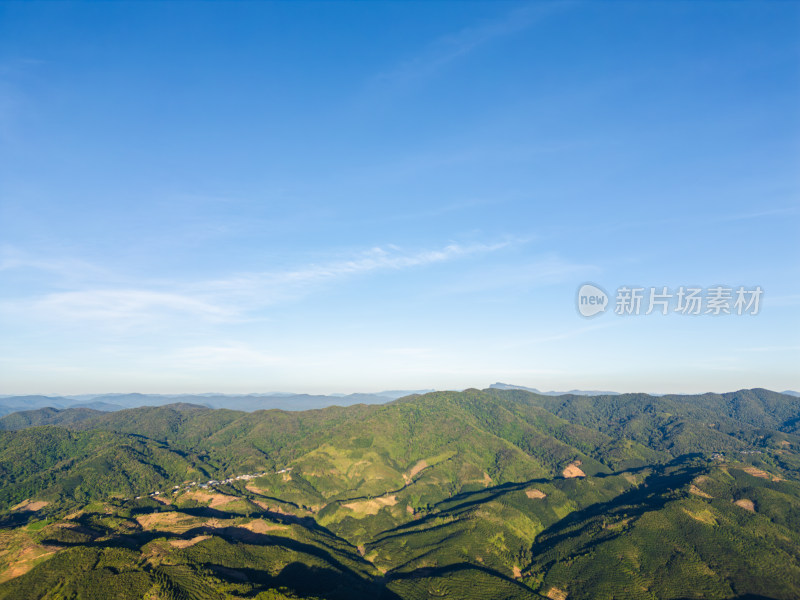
(212, 482)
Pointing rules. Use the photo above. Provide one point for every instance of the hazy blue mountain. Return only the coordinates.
(395, 394)
(508, 386)
(10, 404)
(246, 402)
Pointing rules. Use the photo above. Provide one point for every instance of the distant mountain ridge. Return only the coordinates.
(507, 386)
(290, 401)
(245, 402)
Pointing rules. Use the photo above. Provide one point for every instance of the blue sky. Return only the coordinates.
(337, 197)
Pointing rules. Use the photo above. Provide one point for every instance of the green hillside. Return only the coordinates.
(475, 494)
(45, 416)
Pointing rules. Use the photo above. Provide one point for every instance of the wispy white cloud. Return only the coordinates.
(65, 269)
(235, 299)
(453, 46)
(128, 305)
(277, 285)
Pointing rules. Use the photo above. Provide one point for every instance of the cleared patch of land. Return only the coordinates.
(212, 498)
(371, 507)
(261, 526)
(556, 594)
(165, 520)
(573, 470)
(29, 505)
(409, 476)
(746, 504)
(189, 542)
(534, 493)
(26, 558)
(761, 474)
(693, 489)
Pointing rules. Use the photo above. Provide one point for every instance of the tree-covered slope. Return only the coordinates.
(56, 465)
(46, 416)
(475, 494)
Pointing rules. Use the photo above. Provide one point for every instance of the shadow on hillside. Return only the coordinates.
(426, 572)
(18, 519)
(251, 496)
(651, 495)
(207, 512)
(86, 533)
(240, 534)
(465, 500)
(478, 496)
(475, 498)
(333, 581)
(744, 597)
(320, 582)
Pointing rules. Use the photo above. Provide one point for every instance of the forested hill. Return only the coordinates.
(484, 494)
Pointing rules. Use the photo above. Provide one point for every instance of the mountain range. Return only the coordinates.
(245, 402)
(494, 493)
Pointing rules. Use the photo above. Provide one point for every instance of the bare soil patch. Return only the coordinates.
(26, 560)
(212, 498)
(160, 520)
(761, 474)
(746, 504)
(409, 477)
(30, 506)
(487, 481)
(693, 489)
(556, 594)
(371, 507)
(535, 494)
(190, 542)
(573, 470)
(517, 572)
(261, 526)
